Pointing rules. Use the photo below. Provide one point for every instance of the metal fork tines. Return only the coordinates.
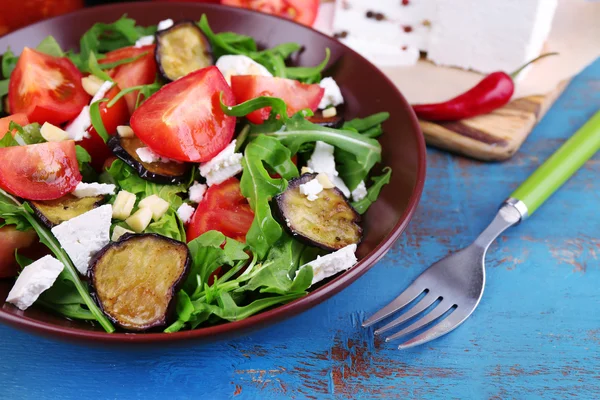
(447, 292)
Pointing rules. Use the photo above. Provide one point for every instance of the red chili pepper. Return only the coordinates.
(494, 91)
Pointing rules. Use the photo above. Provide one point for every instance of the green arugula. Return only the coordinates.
(379, 182)
(9, 62)
(13, 212)
(168, 225)
(259, 188)
(96, 119)
(51, 47)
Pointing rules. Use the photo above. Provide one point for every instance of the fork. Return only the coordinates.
(452, 288)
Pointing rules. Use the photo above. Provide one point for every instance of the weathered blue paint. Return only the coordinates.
(536, 333)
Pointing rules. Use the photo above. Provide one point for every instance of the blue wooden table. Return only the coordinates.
(536, 333)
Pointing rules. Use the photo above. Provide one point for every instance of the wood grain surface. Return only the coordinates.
(496, 136)
(536, 334)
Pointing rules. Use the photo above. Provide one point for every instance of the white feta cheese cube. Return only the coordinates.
(144, 41)
(119, 231)
(360, 192)
(185, 213)
(311, 189)
(223, 166)
(77, 129)
(104, 88)
(147, 155)
(331, 264)
(232, 65)
(164, 24)
(34, 280)
(333, 94)
(323, 161)
(93, 189)
(83, 236)
(197, 191)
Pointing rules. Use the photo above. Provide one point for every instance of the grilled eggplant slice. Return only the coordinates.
(332, 122)
(328, 222)
(182, 49)
(135, 279)
(55, 212)
(165, 173)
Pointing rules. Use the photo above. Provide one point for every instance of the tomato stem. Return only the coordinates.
(521, 68)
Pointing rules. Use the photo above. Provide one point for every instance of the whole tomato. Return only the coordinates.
(15, 14)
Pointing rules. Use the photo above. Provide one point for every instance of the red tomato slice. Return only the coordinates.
(20, 119)
(46, 88)
(11, 240)
(139, 72)
(223, 209)
(296, 95)
(184, 120)
(112, 117)
(303, 11)
(44, 171)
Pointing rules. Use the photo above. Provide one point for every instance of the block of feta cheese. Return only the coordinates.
(311, 189)
(35, 279)
(232, 65)
(197, 191)
(164, 24)
(322, 160)
(147, 155)
(223, 166)
(93, 189)
(332, 95)
(360, 192)
(331, 264)
(185, 213)
(144, 41)
(77, 129)
(483, 35)
(84, 235)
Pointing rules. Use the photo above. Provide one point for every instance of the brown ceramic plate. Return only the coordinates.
(366, 91)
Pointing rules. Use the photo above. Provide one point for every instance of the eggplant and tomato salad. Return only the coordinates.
(173, 177)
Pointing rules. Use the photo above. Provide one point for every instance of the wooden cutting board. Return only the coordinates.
(495, 136)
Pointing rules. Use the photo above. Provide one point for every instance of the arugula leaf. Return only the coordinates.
(13, 211)
(145, 90)
(9, 62)
(30, 134)
(169, 225)
(277, 105)
(3, 92)
(259, 188)
(122, 61)
(127, 179)
(277, 274)
(379, 182)
(96, 119)
(51, 47)
(94, 69)
(8, 140)
(365, 124)
(308, 74)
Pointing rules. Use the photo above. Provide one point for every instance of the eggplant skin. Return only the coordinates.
(134, 280)
(332, 122)
(330, 222)
(182, 49)
(55, 212)
(170, 173)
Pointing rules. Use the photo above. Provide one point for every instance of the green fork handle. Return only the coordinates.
(560, 166)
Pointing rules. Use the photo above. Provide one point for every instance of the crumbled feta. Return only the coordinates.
(331, 264)
(77, 129)
(119, 231)
(185, 213)
(147, 155)
(333, 94)
(197, 191)
(323, 161)
(233, 65)
(84, 235)
(144, 41)
(360, 192)
(164, 24)
(311, 189)
(35, 278)
(223, 166)
(93, 189)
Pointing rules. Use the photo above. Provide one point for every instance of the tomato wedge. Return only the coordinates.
(296, 95)
(11, 240)
(20, 119)
(223, 209)
(302, 11)
(112, 117)
(44, 171)
(140, 72)
(184, 120)
(46, 88)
